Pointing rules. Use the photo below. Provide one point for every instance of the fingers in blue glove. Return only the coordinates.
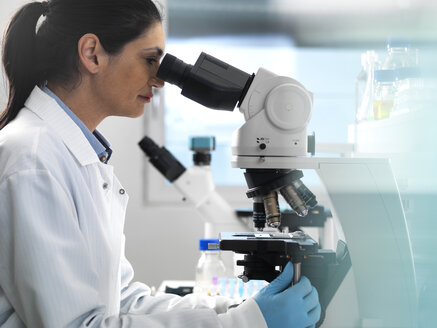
(314, 314)
(283, 281)
(302, 288)
(311, 300)
(282, 305)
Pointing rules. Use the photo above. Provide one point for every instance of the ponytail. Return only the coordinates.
(19, 58)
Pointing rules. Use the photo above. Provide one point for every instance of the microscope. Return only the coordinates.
(277, 110)
(372, 276)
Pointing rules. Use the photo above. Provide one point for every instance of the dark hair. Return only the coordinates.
(33, 55)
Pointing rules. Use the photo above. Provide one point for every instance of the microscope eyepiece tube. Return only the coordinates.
(210, 82)
(162, 159)
(173, 70)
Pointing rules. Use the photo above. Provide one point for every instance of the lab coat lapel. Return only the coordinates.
(48, 110)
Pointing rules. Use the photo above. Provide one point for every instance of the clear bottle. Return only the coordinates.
(384, 93)
(409, 90)
(404, 60)
(210, 268)
(364, 110)
(399, 54)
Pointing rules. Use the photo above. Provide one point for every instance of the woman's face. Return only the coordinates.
(126, 85)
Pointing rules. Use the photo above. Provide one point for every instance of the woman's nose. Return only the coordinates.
(157, 82)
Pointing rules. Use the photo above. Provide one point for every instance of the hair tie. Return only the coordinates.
(45, 7)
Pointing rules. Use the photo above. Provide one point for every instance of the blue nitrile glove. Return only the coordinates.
(284, 306)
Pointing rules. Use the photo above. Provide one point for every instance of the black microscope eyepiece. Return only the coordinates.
(210, 82)
(173, 70)
(162, 159)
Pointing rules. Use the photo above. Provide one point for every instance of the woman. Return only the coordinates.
(62, 260)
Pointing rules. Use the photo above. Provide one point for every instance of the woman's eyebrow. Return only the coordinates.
(158, 50)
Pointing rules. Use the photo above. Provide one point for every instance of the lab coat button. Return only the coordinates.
(122, 191)
(105, 185)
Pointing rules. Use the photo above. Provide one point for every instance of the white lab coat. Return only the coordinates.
(62, 260)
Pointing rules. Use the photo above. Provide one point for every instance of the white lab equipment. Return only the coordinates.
(353, 185)
(271, 145)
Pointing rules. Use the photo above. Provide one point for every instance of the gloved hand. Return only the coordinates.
(284, 306)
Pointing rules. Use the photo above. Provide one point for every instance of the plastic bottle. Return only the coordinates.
(364, 110)
(409, 83)
(210, 268)
(384, 93)
(409, 90)
(399, 54)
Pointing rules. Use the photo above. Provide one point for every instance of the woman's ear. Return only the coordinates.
(92, 55)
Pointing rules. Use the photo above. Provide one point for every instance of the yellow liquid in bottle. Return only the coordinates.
(382, 109)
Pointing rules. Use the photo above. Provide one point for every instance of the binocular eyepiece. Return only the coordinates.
(210, 82)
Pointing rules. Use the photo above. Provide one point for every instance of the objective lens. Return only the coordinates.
(307, 196)
(294, 200)
(271, 206)
(259, 215)
(173, 70)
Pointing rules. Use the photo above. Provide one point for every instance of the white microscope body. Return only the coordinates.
(379, 291)
(277, 111)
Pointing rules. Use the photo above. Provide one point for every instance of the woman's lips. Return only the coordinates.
(145, 98)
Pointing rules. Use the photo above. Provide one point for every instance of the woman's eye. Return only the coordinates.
(151, 61)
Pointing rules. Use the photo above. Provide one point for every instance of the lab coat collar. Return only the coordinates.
(49, 111)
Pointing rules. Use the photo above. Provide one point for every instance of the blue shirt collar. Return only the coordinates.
(100, 145)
